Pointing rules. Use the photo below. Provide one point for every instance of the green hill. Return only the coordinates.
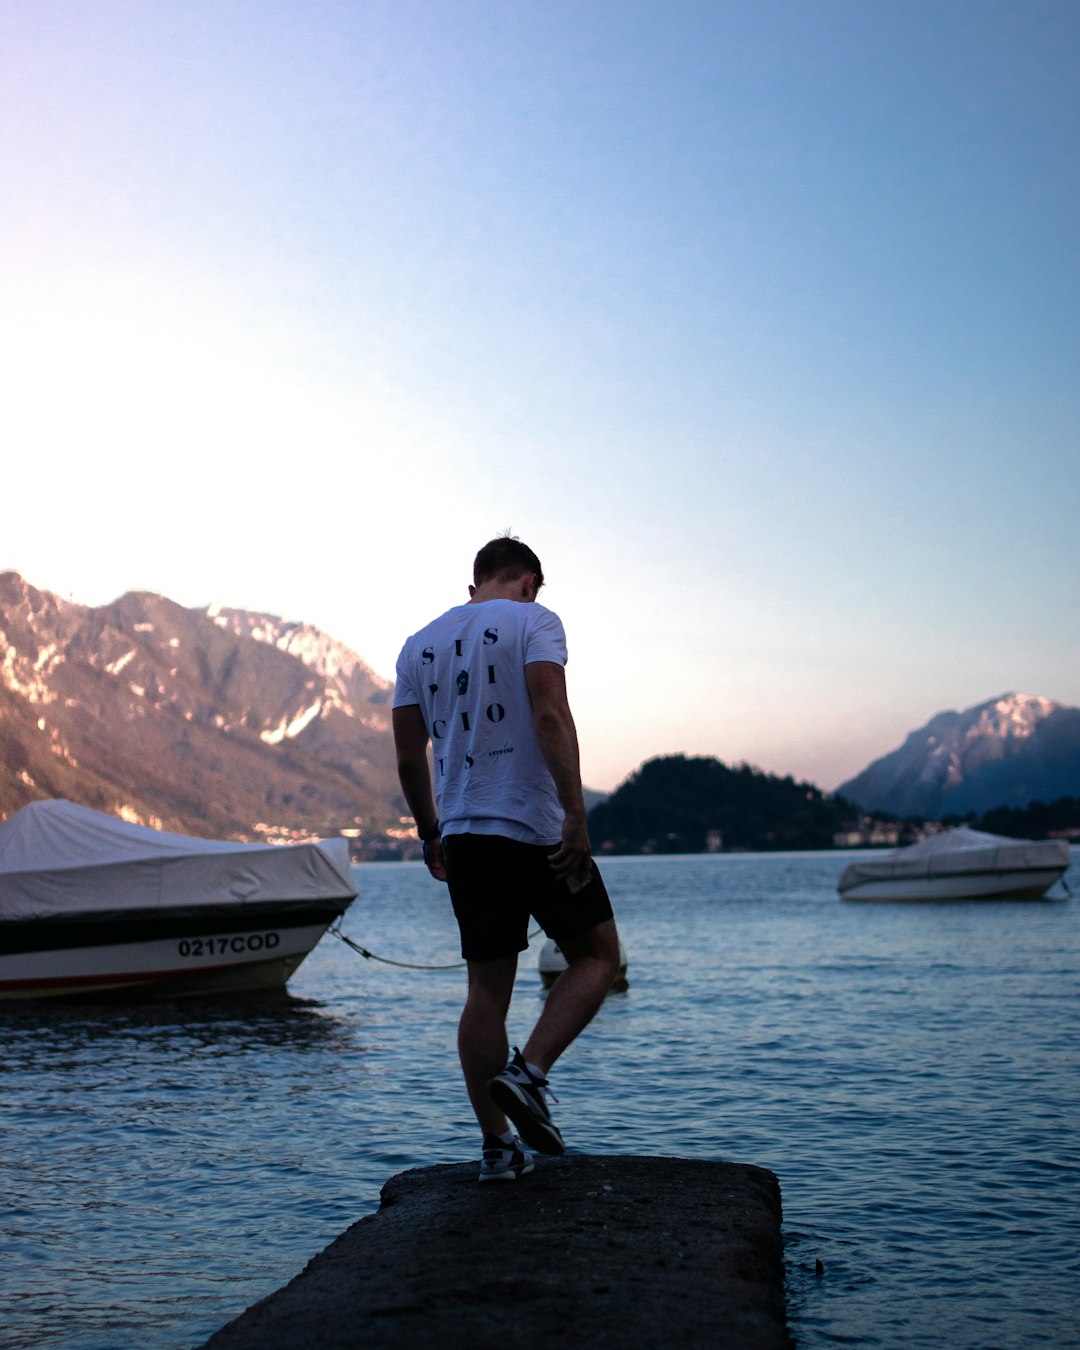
(675, 804)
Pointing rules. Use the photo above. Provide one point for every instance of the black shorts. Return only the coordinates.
(497, 883)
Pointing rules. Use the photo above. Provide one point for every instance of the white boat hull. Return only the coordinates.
(92, 905)
(959, 864)
(262, 957)
(1031, 885)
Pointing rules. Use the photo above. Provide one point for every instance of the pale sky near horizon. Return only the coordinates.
(757, 319)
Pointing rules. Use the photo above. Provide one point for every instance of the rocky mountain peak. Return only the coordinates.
(215, 722)
(1007, 751)
(1010, 715)
(316, 649)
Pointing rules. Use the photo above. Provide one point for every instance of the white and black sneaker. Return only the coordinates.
(520, 1095)
(504, 1162)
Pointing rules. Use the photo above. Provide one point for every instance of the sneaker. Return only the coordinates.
(504, 1162)
(521, 1095)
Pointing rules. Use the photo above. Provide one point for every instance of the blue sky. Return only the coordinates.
(757, 320)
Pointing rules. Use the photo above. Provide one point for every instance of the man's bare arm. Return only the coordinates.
(557, 736)
(414, 772)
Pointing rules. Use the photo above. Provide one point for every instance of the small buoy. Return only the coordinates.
(551, 963)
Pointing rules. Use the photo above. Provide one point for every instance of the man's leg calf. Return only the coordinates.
(574, 998)
(482, 1042)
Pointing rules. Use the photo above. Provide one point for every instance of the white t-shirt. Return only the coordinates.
(466, 672)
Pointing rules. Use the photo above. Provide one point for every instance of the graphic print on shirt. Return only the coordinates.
(452, 714)
(466, 670)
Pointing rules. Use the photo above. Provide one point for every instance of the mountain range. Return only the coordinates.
(217, 722)
(234, 724)
(1009, 751)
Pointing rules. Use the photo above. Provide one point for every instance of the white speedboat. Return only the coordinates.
(959, 864)
(90, 905)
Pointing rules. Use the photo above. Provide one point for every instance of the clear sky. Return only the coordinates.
(757, 319)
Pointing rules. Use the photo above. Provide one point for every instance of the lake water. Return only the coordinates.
(910, 1072)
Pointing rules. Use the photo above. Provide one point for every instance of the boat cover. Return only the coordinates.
(956, 851)
(59, 860)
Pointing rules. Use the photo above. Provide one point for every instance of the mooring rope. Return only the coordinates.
(403, 965)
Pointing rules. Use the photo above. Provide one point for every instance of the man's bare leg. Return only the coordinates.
(574, 998)
(482, 1043)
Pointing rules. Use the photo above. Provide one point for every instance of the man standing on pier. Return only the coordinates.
(504, 825)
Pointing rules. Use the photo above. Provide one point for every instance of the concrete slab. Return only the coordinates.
(610, 1251)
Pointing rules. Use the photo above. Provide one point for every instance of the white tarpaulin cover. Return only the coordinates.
(63, 861)
(958, 851)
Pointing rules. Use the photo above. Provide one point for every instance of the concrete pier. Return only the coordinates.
(597, 1251)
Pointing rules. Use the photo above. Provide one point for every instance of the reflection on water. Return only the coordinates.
(265, 1018)
(907, 1071)
(164, 1153)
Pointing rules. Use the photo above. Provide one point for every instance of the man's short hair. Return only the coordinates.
(506, 559)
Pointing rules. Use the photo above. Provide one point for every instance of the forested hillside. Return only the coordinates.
(676, 804)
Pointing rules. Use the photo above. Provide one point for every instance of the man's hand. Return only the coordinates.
(435, 858)
(574, 854)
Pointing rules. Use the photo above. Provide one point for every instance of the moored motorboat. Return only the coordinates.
(90, 904)
(959, 864)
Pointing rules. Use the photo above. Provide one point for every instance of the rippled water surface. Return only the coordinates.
(910, 1072)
